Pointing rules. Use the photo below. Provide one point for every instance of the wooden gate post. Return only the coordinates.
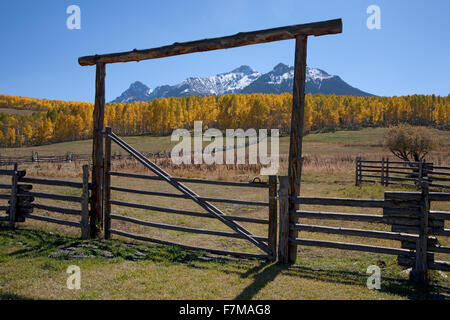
(107, 185)
(13, 199)
(382, 171)
(85, 204)
(273, 213)
(96, 215)
(419, 273)
(283, 233)
(386, 177)
(296, 136)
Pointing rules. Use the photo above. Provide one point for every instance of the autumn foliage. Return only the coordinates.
(56, 120)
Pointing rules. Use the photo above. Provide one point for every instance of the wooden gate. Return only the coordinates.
(266, 244)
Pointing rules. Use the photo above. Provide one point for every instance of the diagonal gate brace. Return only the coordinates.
(185, 190)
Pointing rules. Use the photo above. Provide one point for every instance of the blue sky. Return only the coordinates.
(38, 54)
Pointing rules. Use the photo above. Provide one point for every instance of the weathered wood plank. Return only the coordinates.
(107, 185)
(13, 199)
(401, 195)
(340, 216)
(296, 135)
(52, 182)
(52, 196)
(191, 180)
(53, 220)
(169, 243)
(96, 215)
(181, 228)
(283, 234)
(185, 212)
(351, 246)
(273, 212)
(84, 223)
(365, 203)
(237, 40)
(182, 196)
(419, 273)
(355, 232)
(56, 209)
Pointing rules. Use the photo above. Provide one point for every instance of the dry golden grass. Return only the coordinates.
(320, 274)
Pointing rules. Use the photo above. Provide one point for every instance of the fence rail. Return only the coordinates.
(407, 213)
(22, 200)
(388, 172)
(69, 156)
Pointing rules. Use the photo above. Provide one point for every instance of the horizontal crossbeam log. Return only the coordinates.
(237, 40)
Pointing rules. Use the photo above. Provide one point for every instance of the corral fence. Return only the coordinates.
(267, 243)
(22, 200)
(407, 213)
(388, 172)
(69, 157)
(408, 216)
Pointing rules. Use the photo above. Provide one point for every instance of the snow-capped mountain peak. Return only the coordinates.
(243, 79)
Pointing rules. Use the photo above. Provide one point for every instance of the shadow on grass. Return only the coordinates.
(265, 273)
(12, 296)
(35, 243)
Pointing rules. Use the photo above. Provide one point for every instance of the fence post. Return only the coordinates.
(386, 178)
(273, 212)
(85, 230)
(283, 234)
(419, 273)
(357, 169)
(107, 185)
(96, 216)
(13, 199)
(382, 171)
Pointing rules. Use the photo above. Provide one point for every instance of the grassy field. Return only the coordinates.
(34, 259)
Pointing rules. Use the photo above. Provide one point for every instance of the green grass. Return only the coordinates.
(31, 270)
(34, 258)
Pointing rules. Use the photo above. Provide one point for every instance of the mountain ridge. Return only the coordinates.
(243, 79)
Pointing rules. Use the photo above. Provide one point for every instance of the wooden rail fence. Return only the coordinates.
(388, 172)
(69, 156)
(22, 200)
(408, 213)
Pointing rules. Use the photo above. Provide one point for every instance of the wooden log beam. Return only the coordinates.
(192, 180)
(53, 220)
(351, 246)
(355, 232)
(183, 196)
(283, 233)
(273, 213)
(85, 228)
(296, 135)
(237, 40)
(419, 273)
(96, 214)
(107, 186)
